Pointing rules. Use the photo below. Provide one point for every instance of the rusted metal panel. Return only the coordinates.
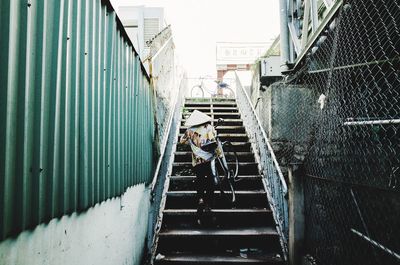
(75, 109)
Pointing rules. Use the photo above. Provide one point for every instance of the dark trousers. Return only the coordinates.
(204, 183)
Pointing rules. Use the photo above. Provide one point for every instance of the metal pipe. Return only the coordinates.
(373, 122)
(284, 35)
(376, 244)
(314, 15)
(304, 34)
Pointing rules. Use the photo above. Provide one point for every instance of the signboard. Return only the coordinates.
(240, 52)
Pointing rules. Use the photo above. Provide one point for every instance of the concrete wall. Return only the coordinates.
(104, 234)
(166, 77)
(286, 112)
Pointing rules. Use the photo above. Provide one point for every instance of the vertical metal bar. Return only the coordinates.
(11, 119)
(77, 89)
(29, 115)
(109, 81)
(68, 166)
(284, 34)
(45, 90)
(4, 57)
(118, 117)
(314, 15)
(135, 119)
(95, 112)
(90, 103)
(100, 107)
(111, 150)
(56, 189)
(306, 18)
(83, 145)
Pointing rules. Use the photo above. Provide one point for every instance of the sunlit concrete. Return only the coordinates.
(112, 232)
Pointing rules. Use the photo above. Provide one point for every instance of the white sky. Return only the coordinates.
(198, 24)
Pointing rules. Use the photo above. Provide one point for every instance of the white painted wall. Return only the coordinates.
(104, 234)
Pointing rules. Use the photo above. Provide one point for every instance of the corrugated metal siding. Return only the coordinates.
(75, 107)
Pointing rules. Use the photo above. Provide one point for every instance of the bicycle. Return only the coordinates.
(227, 160)
(222, 90)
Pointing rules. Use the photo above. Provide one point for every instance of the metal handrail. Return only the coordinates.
(273, 180)
(273, 157)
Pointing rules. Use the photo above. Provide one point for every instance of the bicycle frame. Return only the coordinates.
(224, 165)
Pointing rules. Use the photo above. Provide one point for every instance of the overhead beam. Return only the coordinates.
(329, 17)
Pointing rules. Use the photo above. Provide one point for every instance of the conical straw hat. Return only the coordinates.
(197, 118)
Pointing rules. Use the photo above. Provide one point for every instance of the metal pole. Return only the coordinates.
(304, 34)
(314, 15)
(284, 37)
(296, 213)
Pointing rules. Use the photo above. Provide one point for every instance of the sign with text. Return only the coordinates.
(240, 52)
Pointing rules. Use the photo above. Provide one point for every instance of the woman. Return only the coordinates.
(200, 132)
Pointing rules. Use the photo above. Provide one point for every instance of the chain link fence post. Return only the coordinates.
(296, 213)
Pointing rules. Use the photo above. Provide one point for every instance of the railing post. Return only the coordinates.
(296, 213)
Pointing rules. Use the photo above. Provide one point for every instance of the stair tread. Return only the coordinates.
(194, 101)
(227, 135)
(238, 192)
(190, 163)
(215, 211)
(225, 120)
(213, 98)
(222, 257)
(193, 177)
(243, 231)
(221, 113)
(190, 152)
(200, 108)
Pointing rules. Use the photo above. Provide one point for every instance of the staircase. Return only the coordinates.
(244, 234)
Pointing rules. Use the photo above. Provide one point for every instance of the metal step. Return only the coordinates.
(221, 218)
(226, 122)
(208, 104)
(213, 99)
(217, 115)
(186, 168)
(244, 200)
(208, 109)
(222, 129)
(215, 239)
(221, 259)
(189, 183)
(242, 156)
(231, 137)
(237, 146)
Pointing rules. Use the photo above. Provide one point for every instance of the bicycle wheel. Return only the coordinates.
(197, 92)
(228, 92)
(230, 166)
(231, 159)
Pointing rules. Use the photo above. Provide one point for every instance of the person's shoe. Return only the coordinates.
(200, 210)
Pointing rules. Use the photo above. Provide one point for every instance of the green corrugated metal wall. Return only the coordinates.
(75, 107)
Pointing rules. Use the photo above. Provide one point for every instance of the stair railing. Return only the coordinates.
(273, 179)
(163, 170)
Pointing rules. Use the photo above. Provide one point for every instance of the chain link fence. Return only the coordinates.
(341, 115)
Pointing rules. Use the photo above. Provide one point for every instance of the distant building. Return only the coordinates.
(238, 55)
(142, 24)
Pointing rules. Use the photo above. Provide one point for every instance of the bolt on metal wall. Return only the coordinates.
(75, 107)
